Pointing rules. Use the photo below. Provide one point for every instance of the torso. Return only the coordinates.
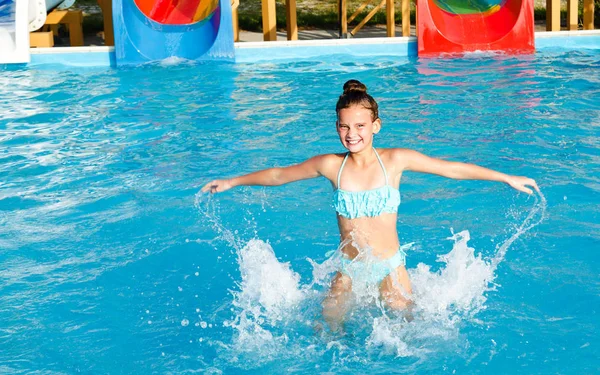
(377, 234)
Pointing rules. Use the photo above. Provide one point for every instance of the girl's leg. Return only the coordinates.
(336, 302)
(396, 290)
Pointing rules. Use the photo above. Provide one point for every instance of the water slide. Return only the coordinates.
(14, 36)
(38, 10)
(17, 19)
(150, 30)
(458, 26)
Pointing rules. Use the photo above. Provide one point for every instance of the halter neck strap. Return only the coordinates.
(382, 166)
(342, 167)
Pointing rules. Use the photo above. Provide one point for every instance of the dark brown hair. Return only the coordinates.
(355, 93)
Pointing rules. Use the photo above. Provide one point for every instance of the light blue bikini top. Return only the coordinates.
(373, 202)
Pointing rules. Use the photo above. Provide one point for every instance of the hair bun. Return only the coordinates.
(354, 85)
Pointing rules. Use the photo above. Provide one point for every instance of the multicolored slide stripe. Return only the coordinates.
(177, 12)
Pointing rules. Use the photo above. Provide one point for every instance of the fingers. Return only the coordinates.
(521, 183)
(522, 187)
(530, 182)
(534, 184)
(208, 186)
(211, 187)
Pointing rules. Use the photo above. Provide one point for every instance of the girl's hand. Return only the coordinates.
(217, 186)
(520, 183)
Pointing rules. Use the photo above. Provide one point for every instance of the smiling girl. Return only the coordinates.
(365, 184)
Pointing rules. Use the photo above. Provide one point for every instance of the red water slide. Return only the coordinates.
(509, 28)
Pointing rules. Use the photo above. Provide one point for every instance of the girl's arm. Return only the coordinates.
(311, 168)
(415, 161)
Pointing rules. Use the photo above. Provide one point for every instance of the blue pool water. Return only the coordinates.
(112, 262)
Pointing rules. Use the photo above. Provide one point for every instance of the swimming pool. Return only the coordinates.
(111, 262)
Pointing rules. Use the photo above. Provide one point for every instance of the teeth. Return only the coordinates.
(353, 142)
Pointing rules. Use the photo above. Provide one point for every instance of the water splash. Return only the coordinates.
(447, 299)
(173, 61)
(270, 302)
(209, 209)
(457, 286)
(267, 283)
(268, 298)
(536, 215)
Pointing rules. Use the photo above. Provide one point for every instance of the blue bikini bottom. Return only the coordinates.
(373, 271)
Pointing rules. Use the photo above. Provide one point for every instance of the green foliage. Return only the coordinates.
(539, 14)
(328, 19)
(250, 22)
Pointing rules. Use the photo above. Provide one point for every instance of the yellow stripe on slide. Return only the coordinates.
(206, 8)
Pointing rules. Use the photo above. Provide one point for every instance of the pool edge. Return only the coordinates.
(248, 52)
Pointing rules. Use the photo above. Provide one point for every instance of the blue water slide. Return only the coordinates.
(144, 31)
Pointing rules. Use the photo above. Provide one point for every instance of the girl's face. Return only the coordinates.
(356, 128)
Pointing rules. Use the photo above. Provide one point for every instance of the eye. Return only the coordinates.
(361, 126)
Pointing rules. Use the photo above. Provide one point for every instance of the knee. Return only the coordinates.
(396, 290)
(341, 285)
(336, 298)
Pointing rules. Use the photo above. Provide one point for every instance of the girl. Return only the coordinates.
(366, 198)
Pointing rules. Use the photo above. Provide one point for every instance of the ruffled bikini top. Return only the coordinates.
(373, 202)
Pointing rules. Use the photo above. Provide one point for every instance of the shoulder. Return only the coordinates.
(402, 159)
(327, 164)
(327, 160)
(396, 155)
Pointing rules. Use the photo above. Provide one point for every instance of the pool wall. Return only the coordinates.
(248, 52)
